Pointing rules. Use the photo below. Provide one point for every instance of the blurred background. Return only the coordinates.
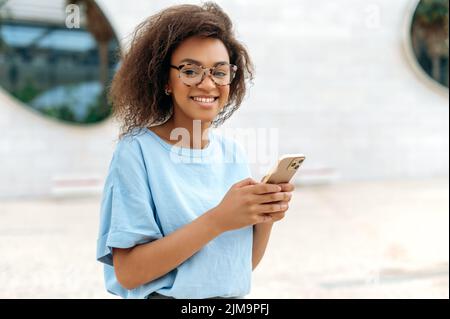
(359, 87)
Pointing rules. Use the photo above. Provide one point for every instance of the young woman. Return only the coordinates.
(179, 219)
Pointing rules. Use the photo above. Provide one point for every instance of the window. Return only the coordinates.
(58, 71)
(429, 39)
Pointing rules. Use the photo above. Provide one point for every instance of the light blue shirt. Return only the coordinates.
(154, 188)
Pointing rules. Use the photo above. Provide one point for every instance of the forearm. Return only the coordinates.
(261, 235)
(148, 262)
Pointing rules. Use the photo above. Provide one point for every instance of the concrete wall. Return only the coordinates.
(332, 78)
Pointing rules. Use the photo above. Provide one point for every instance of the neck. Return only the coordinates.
(193, 133)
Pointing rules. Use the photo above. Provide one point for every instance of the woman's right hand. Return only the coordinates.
(247, 203)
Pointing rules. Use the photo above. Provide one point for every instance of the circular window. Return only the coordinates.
(58, 57)
(429, 39)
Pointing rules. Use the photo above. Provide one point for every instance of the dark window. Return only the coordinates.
(59, 71)
(429, 38)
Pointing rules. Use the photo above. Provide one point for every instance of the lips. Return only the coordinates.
(204, 98)
(205, 102)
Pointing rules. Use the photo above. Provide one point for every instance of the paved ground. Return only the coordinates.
(352, 240)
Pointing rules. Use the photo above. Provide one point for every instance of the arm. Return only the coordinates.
(261, 232)
(143, 263)
(261, 235)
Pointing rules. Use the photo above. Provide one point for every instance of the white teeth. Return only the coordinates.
(203, 100)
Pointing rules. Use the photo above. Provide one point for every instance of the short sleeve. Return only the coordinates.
(127, 214)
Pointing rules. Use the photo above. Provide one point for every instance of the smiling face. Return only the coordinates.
(191, 102)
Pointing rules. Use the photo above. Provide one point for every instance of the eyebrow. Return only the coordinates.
(199, 63)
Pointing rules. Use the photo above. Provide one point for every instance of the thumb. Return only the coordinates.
(246, 182)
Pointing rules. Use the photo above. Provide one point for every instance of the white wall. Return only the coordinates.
(332, 77)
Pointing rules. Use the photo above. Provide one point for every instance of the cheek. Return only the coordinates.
(181, 92)
(180, 87)
(224, 94)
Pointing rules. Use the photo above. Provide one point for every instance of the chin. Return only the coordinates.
(204, 117)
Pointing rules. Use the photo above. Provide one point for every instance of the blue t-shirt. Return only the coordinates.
(152, 189)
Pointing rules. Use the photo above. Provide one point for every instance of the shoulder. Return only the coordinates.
(129, 146)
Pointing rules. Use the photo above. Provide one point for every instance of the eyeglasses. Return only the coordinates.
(193, 74)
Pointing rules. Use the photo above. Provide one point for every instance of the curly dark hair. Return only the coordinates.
(137, 89)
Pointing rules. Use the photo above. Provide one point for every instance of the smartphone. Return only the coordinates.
(285, 169)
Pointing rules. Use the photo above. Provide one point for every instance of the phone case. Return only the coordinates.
(285, 169)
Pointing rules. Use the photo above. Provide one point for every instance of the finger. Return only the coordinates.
(272, 197)
(283, 202)
(261, 188)
(245, 182)
(272, 207)
(287, 187)
(277, 216)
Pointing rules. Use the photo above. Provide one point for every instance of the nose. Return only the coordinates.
(207, 82)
